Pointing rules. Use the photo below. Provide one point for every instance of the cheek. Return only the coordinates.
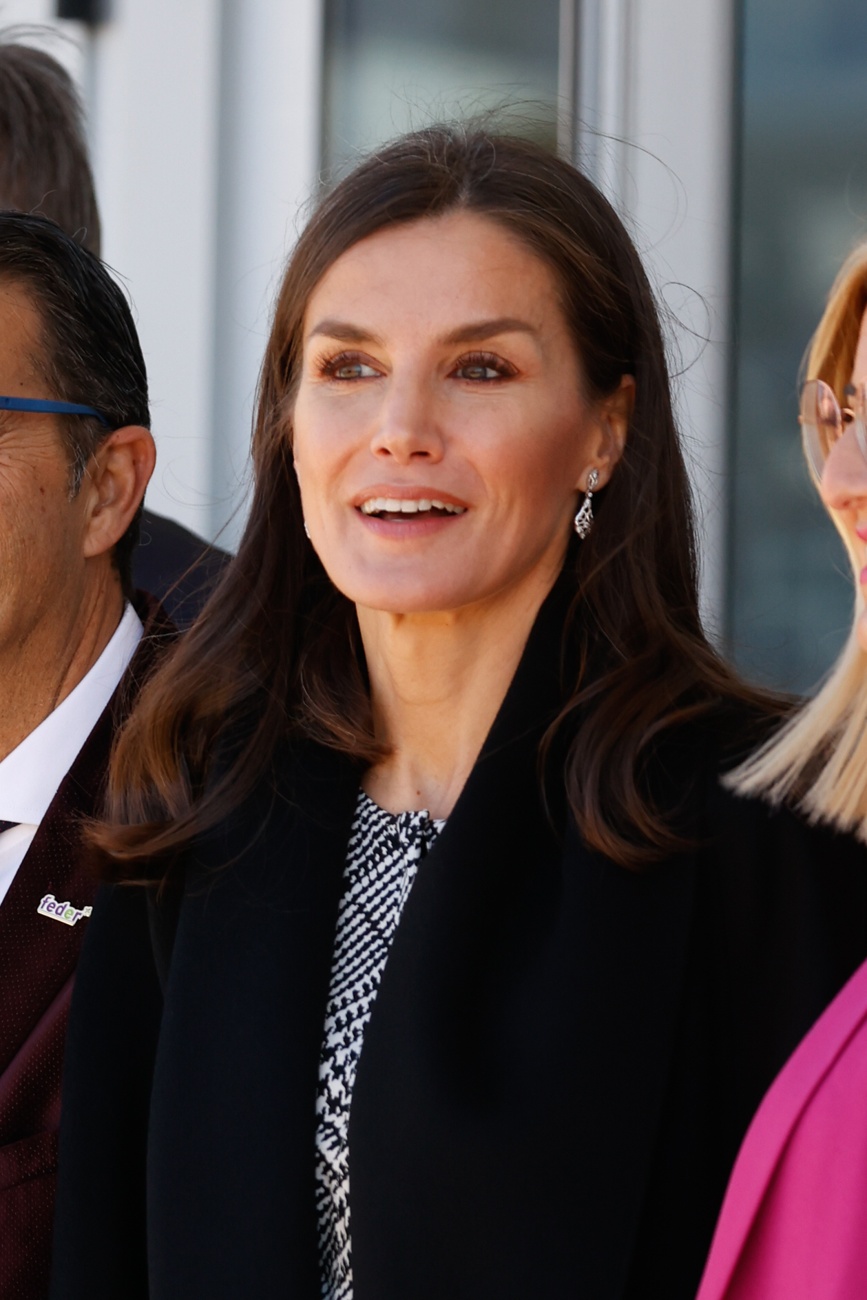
(25, 510)
(319, 445)
(862, 631)
(844, 477)
(547, 461)
(41, 527)
(304, 463)
(31, 576)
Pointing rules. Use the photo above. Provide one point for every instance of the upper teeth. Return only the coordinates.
(375, 505)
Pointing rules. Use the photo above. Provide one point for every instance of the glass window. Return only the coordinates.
(802, 202)
(392, 66)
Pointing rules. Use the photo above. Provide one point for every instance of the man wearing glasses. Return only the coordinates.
(76, 454)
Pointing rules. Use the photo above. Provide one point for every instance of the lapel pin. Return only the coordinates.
(63, 912)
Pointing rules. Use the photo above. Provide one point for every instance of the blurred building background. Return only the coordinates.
(730, 133)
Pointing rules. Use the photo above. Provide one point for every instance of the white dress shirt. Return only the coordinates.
(31, 774)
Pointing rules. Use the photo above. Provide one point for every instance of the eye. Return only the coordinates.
(347, 366)
(483, 367)
(854, 408)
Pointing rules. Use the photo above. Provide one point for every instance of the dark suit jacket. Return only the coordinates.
(177, 567)
(38, 956)
(561, 1061)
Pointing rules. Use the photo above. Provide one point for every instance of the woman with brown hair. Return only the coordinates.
(793, 1225)
(435, 776)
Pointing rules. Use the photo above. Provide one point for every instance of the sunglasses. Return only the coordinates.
(824, 421)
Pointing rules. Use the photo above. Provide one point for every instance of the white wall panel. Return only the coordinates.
(658, 86)
(154, 128)
(269, 157)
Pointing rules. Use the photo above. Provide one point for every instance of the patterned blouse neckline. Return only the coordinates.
(409, 823)
(383, 856)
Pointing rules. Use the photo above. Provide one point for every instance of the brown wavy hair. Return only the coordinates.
(276, 652)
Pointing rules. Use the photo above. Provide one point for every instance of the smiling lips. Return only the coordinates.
(381, 507)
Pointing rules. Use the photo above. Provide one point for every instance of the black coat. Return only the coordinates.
(177, 567)
(562, 1057)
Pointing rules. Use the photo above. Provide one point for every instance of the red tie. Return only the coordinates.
(6, 826)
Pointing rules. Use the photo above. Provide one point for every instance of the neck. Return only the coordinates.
(437, 682)
(39, 672)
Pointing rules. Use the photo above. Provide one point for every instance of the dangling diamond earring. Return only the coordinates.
(306, 529)
(583, 521)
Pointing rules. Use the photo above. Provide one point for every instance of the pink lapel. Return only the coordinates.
(760, 1170)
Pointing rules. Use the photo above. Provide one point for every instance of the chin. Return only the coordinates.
(414, 602)
(408, 593)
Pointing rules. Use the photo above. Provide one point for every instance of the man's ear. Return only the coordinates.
(115, 482)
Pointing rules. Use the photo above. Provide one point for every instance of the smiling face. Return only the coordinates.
(441, 434)
(844, 479)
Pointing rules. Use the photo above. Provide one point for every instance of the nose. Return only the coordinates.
(407, 427)
(844, 478)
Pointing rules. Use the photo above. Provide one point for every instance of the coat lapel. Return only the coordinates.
(240, 1042)
(514, 1069)
(38, 952)
(751, 1188)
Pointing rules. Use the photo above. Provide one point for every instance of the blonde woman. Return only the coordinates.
(794, 1221)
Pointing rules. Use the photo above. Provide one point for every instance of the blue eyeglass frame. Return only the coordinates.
(54, 408)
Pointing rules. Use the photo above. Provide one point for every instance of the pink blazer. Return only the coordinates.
(793, 1225)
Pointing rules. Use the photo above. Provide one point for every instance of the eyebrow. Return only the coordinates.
(486, 329)
(342, 330)
(472, 332)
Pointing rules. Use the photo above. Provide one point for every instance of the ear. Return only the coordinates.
(613, 415)
(115, 483)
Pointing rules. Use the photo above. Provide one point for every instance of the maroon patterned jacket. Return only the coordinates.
(38, 956)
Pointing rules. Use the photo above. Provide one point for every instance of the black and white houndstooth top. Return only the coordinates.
(381, 862)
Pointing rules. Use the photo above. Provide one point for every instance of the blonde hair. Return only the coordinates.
(819, 758)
